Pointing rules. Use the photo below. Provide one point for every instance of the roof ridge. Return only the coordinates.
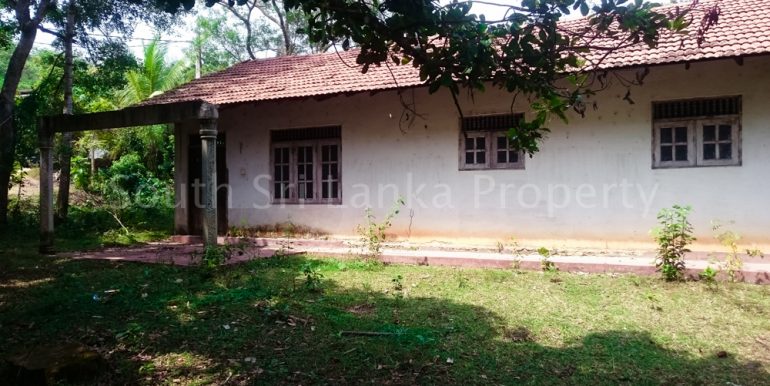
(743, 30)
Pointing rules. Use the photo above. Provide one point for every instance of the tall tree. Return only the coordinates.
(28, 14)
(82, 17)
(63, 198)
(269, 26)
(219, 43)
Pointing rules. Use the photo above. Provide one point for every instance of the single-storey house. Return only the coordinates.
(312, 141)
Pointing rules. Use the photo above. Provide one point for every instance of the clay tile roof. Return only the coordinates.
(743, 29)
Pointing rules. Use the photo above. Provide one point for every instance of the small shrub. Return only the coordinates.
(545, 263)
(709, 275)
(462, 281)
(312, 277)
(733, 261)
(18, 176)
(673, 235)
(517, 258)
(373, 233)
(398, 287)
(283, 249)
(214, 255)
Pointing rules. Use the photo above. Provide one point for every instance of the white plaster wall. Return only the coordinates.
(608, 149)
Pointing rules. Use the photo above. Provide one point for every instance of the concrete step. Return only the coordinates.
(755, 269)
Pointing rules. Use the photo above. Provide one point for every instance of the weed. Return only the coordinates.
(286, 229)
(516, 265)
(373, 233)
(312, 277)
(673, 235)
(398, 287)
(462, 281)
(283, 249)
(18, 178)
(709, 275)
(733, 261)
(216, 255)
(654, 301)
(545, 263)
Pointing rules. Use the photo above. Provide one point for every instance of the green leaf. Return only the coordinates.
(584, 8)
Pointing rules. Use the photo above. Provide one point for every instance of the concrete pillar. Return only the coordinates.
(181, 185)
(45, 139)
(208, 132)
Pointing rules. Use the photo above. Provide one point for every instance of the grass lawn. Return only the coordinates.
(262, 323)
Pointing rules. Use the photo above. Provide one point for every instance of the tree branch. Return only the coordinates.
(51, 32)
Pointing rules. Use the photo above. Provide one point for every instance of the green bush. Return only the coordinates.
(81, 172)
(709, 275)
(312, 277)
(673, 235)
(214, 256)
(127, 173)
(132, 195)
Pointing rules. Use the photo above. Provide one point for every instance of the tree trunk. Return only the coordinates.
(28, 31)
(288, 47)
(65, 160)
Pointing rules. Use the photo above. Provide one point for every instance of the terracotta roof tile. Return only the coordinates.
(743, 29)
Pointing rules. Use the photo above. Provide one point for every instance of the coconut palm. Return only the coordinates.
(155, 75)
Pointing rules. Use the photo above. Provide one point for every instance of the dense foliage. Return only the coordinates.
(126, 174)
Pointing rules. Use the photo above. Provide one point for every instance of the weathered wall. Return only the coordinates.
(592, 180)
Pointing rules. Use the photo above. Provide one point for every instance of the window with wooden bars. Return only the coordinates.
(306, 165)
(484, 143)
(698, 132)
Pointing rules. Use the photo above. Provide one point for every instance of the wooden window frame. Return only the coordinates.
(735, 137)
(695, 141)
(474, 166)
(319, 169)
(490, 140)
(673, 123)
(519, 164)
(316, 145)
(273, 151)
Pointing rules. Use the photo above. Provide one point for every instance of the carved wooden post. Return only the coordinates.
(45, 140)
(208, 132)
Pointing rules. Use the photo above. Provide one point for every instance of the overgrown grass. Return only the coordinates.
(259, 323)
(85, 228)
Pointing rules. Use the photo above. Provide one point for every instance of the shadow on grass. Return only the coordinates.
(258, 323)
